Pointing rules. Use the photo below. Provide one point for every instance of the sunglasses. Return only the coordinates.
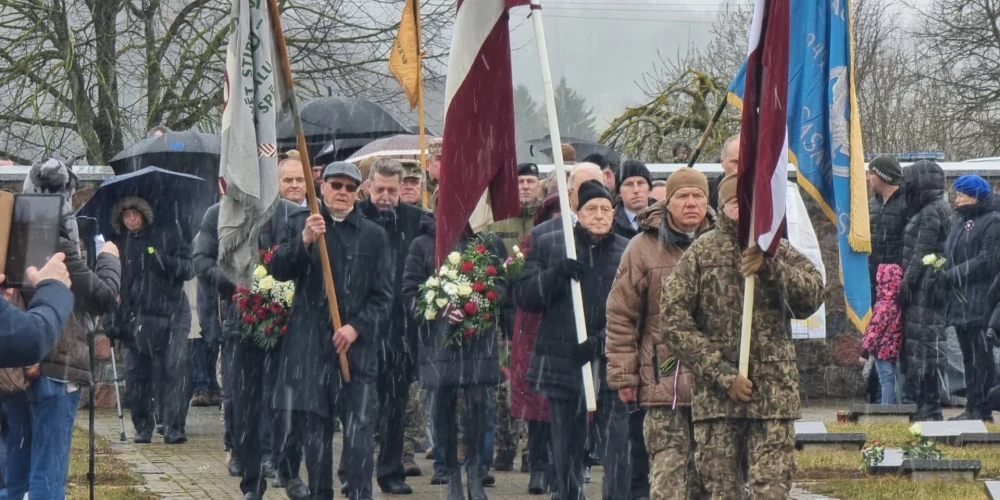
(337, 186)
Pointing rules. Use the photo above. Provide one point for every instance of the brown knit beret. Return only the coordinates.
(569, 153)
(727, 189)
(684, 178)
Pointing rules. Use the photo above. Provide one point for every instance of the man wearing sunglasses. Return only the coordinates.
(309, 390)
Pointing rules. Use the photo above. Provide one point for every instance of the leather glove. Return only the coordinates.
(589, 350)
(740, 390)
(753, 258)
(569, 268)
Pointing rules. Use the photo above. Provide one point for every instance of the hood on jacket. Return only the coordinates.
(924, 183)
(55, 176)
(130, 203)
(890, 278)
(549, 204)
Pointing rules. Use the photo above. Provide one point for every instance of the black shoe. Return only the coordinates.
(296, 489)
(268, 471)
(159, 429)
(411, 469)
(343, 489)
(143, 437)
(455, 490)
(175, 437)
(235, 467)
(503, 463)
(488, 479)
(439, 478)
(538, 484)
(965, 415)
(252, 496)
(525, 466)
(395, 487)
(477, 480)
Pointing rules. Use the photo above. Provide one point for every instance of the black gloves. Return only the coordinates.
(569, 268)
(589, 350)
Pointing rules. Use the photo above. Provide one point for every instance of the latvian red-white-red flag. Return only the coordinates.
(763, 171)
(478, 149)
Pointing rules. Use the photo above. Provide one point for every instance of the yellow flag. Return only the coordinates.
(404, 61)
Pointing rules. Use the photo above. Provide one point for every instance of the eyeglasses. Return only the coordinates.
(595, 209)
(337, 186)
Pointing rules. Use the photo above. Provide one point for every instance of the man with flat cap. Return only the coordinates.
(309, 392)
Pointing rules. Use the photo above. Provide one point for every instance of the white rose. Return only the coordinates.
(429, 296)
(516, 249)
(452, 273)
(289, 296)
(430, 314)
(930, 259)
(454, 258)
(432, 283)
(464, 290)
(916, 430)
(267, 283)
(443, 271)
(260, 272)
(520, 255)
(441, 302)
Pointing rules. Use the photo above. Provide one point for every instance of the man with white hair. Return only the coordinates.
(730, 164)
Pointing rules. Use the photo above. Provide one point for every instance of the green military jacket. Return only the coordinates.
(513, 230)
(701, 315)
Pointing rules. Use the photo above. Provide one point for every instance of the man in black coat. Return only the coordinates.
(309, 387)
(887, 209)
(153, 318)
(555, 369)
(634, 184)
(397, 347)
(249, 370)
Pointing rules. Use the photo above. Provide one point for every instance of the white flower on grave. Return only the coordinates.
(916, 430)
(454, 258)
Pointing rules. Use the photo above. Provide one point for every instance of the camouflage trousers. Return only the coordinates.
(734, 454)
(669, 437)
(416, 422)
(508, 429)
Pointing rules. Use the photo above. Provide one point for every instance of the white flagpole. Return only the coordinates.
(560, 172)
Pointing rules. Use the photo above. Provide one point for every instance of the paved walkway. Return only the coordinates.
(197, 470)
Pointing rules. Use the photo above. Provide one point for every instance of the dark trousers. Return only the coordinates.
(204, 353)
(357, 457)
(228, 346)
(539, 445)
(311, 435)
(444, 403)
(639, 457)
(393, 387)
(922, 361)
(980, 370)
(163, 375)
(569, 425)
(252, 380)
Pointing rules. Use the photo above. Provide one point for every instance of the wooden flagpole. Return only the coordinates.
(560, 173)
(286, 68)
(708, 132)
(420, 105)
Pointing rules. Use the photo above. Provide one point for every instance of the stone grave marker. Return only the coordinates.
(942, 470)
(867, 414)
(891, 462)
(949, 432)
(810, 428)
(987, 439)
(993, 490)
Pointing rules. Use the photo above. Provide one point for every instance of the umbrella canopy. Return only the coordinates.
(583, 148)
(400, 147)
(347, 123)
(188, 152)
(176, 198)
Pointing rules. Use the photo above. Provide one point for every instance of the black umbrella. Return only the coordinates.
(583, 148)
(176, 198)
(187, 152)
(347, 123)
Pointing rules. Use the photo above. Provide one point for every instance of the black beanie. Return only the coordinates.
(634, 168)
(591, 190)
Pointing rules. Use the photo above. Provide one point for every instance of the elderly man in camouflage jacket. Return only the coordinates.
(737, 421)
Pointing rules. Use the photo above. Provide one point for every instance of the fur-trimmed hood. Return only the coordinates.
(55, 176)
(130, 203)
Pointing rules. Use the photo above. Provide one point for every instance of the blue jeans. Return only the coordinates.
(488, 440)
(887, 381)
(205, 354)
(38, 439)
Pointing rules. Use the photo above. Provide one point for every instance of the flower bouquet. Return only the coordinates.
(266, 305)
(514, 265)
(872, 455)
(921, 448)
(937, 264)
(464, 292)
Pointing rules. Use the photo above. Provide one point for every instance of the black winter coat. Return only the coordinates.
(476, 362)
(402, 226)
(888, 220)
(308, 366)
(924, 296)
(206, 259)
(155, 264)
(554, 370)
(973, 253)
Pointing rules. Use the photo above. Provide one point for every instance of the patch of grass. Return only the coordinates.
(896, 488)
(115, 479)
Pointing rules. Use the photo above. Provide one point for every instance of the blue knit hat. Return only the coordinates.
(974, 186)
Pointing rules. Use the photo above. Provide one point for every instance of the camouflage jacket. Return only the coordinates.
(701, 315)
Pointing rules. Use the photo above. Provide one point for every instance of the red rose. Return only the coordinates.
(491, 295)
(478, 286)
(262, 313)
(491, 271)
(236, 296)
(487, 316)
(258, 299)
(268, 331)
(278, 320)
(276, 307)
(267, 258)
(240, 289)
(480, 249)
(471, 308)
(469, 332)
(505, 373)
(248, 319)
(285, 314)
(244, 303)
(467, 267)
(284, 329)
